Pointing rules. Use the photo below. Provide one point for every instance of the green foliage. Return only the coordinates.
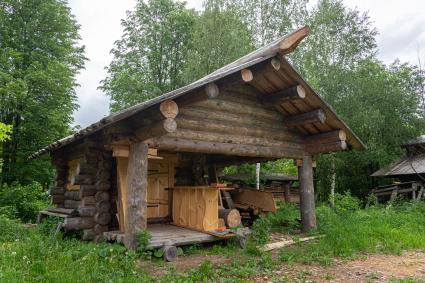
(219, 37)
(284, 220)
(22, 202)
(345, 203)
(11, 230)
(351, 231)
(149, 58)
(5, 131)
(39, 59)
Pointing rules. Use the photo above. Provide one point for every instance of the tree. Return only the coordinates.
(150, 57)
(5, 131)
(220, 37)
(39, 59)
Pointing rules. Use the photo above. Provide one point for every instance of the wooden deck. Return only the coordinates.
(168, 235)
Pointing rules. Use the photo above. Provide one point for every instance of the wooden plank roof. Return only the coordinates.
(282, 79)
(407, 165)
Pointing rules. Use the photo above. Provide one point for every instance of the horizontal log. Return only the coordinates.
(236, 108)
(102, 218)
(58, 199)
(197, 112)
(88, 235)
(169, 108)
(289, 94)
(229, 138)
(184, 145)
(72, 195)
(227, 128)
(82, 180)
(100, 229)
(163, 127)
(101, 196)
(85, 169)
(86, 211)
(327, 147)
(88, 201)
(328, 137)
(56, 191)
(102, 185)
(87, 190)
(78, 223)
(315, 116)
(103, 206)
(71, 203)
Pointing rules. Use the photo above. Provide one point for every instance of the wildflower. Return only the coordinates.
(13, 253)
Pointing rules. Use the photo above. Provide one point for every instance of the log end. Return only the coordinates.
(169, 108)
(247, 75)
(212, 90)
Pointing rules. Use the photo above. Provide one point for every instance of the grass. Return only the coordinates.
(377, 229)
(31, 255)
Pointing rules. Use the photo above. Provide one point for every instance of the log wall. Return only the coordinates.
(87, 191)
(233, 123)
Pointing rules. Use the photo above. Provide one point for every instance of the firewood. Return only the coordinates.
(231, 217)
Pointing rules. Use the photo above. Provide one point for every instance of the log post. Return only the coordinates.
(136, 195)
(287, 192)
(307, 205)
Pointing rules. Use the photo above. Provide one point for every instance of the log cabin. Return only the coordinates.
(408, 173)
(154, 163)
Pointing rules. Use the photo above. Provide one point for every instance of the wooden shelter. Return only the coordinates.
(409, 171)
(155, 162)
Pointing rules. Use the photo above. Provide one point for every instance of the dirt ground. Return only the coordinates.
(370, 268)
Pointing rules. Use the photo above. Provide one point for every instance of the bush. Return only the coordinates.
(22, 202)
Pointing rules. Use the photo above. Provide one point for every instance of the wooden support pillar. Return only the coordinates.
(287, 191)
(307, 205)
(136, 193)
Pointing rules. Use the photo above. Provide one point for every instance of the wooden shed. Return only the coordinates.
(155, 162)
(408, 173)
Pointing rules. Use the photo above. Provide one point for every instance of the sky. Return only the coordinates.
(400, 23)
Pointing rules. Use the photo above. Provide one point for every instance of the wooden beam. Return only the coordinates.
(307, 204)
(291, 42)
(185, 145)
(315, 116)
(136, 193)
(328, 137)
(289, 94)
(163, 127)
(229, 128)
(326, 147)
(234, 138)
(169, 108)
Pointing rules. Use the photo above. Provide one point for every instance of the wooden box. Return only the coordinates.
(196, 207)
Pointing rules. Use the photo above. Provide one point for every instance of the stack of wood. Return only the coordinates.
(91, 199)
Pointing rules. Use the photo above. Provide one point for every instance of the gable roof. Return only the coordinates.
(281, 46)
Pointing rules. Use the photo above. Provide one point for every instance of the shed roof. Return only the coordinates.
(286, 77)
(407, 165)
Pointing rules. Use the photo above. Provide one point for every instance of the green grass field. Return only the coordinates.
(32, 255)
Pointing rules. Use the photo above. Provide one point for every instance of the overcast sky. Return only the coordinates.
(401, 26)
